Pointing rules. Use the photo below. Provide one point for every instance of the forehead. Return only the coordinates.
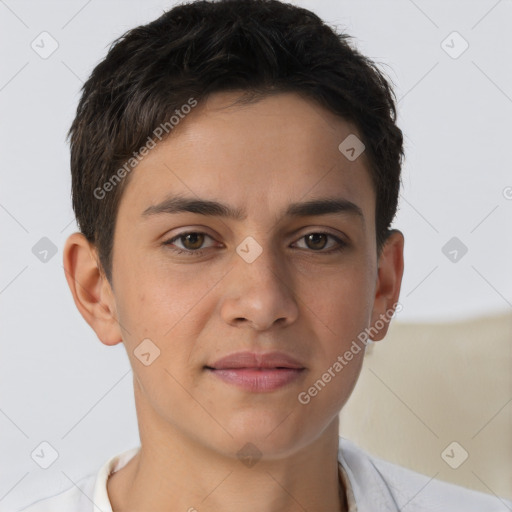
(280, 149)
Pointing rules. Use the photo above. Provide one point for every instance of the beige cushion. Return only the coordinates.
(426, 386)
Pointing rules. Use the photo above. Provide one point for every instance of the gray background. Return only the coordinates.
(59, 384)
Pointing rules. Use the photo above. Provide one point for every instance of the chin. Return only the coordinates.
(274, 434)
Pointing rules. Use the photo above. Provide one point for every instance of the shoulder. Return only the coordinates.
(77, 498)
(425, 493)
(404, 488)
(88, 494)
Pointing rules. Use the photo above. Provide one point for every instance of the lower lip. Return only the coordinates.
(259, 380)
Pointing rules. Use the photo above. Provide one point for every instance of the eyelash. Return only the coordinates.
(199, 252)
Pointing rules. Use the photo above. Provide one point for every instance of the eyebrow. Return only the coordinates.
(323, 206)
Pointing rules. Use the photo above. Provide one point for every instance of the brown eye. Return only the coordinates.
(189, 243)
(192, 241)
(316, 241)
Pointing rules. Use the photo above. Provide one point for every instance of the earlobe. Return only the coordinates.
(90, 289)
(389, 281)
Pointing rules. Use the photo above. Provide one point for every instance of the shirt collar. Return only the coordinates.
(100, 497)
(369, 488)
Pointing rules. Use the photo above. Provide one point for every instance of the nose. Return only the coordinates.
(259, 293)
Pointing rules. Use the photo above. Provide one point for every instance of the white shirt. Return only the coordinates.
(372, 485)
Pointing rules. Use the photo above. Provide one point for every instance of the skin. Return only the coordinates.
(294, 297)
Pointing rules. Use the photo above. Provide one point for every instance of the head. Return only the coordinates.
(253, 105)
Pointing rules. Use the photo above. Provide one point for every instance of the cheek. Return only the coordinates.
(153, 300)
(344, 301)
(170, 309)
(344, 309)
(326, 393)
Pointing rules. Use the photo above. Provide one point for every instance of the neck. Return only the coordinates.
(172, 472)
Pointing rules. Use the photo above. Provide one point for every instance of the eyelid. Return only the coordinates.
(340, 242)
(306, 231)
(340, 239)
(173, 239)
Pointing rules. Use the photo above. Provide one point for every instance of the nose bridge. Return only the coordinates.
(261, 291)
(261, 261)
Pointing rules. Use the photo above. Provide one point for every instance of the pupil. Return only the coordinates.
(194, 236)
(314, 237)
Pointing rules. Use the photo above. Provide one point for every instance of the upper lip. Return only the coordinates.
(256, 360)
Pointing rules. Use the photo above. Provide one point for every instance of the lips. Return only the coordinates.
(257, 372)
(256, 360)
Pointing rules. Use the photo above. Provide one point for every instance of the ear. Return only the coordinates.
(91, 290)
(389, 281)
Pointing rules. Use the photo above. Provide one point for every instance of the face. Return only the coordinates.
(202, 285)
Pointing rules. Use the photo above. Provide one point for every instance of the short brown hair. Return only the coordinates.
(202, 47)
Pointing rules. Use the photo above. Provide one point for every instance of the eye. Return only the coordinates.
(191, 241)
(318, 240)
